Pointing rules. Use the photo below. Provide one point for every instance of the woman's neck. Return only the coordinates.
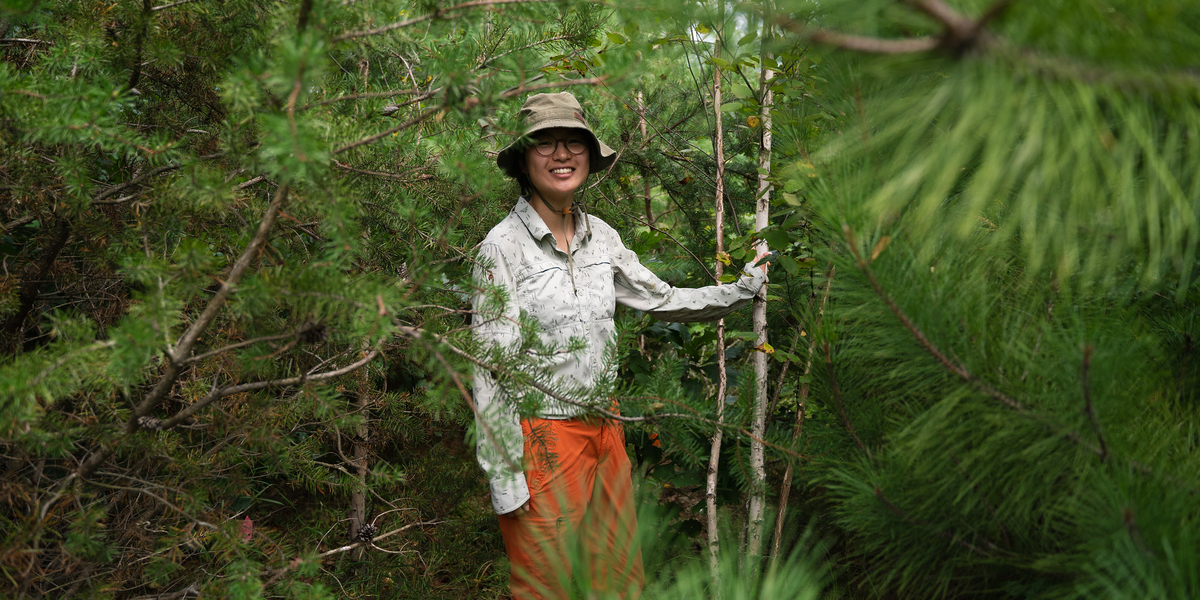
(552, 214)
(556, 205)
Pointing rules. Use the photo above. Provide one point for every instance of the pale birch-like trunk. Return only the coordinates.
(762, 213)
(714, 457)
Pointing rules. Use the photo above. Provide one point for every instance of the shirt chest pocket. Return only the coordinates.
(544, 292)
(596, 276)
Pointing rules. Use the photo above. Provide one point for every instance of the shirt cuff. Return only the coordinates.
(509, 493)
(752, 277)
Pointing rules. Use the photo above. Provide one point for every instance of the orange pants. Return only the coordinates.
(581, 505)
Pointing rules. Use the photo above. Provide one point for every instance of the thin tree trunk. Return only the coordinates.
(358, 499)
(798, 428)
(762, 212)
(641, 105)
(714, 457)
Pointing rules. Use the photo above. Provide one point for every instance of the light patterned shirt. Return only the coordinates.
(521, 256)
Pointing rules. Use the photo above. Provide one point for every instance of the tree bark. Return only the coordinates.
(358, 498)
(31, 285)
(762, 212)
(714, 457)
(641, 105)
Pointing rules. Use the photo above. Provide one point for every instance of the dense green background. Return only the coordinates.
(998, 392)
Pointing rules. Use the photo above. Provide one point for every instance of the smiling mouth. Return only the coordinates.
(562, 170)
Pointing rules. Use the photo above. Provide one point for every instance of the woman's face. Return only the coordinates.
(558, 175)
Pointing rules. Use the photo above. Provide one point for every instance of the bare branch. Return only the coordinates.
(939, 11)
(424, 95)
(400, 176)
(169, 5)
(243, 344)
(219, 393)
(136, 180)
(872, 45)
(521, 89)
(437, 14)
(25, 41)
(279, 573)
(176, 356)
(374, 138)
(17, 222)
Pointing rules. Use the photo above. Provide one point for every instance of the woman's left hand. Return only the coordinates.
(761, 253)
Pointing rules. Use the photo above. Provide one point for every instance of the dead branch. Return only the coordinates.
(243, 344)
(399, 176)
(279, 573)
(521, 89)
(366, 95)
(169, 5)
(872, 45)
(176, 356)
(219, 393)
(25, 41)
(136, 180)
(375, 138)
(436, 14)
(17, 222)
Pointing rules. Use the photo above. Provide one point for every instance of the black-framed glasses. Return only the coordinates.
(547, 146)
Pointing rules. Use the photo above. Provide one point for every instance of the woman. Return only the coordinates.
(563, 478)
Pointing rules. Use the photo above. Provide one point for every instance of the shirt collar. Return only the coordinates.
(534, 223)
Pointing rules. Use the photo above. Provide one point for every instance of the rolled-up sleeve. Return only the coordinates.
(500, 442)
(639, 288)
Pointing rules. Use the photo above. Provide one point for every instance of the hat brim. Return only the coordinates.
(509, 159)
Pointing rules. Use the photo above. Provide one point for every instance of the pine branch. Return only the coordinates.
(950, 365)
(946, 534)
(1086, 386)
(177, 355)
(420, 334)
(785, 488)
(837, 397)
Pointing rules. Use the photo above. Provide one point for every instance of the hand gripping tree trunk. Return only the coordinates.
(714, 457)
(762, 209)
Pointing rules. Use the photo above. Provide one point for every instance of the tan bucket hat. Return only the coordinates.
(547, 111)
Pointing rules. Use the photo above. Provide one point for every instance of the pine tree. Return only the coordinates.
(1012, 209)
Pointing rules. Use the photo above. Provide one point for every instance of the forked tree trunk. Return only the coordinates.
(762, 212)
(714, 457)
